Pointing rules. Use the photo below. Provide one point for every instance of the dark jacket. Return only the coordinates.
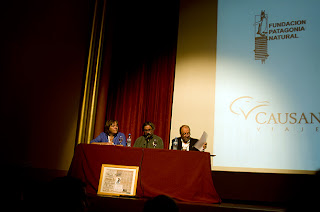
(193, 141)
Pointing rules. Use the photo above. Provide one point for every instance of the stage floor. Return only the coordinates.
(132, 204)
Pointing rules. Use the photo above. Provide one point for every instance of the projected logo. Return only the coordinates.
(278, 30)
(261, 37)
(246, 105)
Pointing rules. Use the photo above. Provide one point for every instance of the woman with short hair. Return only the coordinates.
(111, 135)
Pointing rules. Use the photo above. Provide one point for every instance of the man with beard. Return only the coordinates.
(148, 140)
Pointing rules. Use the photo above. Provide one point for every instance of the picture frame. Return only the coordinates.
(118, 180)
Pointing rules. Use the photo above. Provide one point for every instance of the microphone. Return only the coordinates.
(148, 137)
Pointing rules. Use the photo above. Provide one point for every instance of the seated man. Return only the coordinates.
(185, 142)
(148, 140)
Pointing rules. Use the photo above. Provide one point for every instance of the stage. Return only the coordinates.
(119, 204)
(238, 191)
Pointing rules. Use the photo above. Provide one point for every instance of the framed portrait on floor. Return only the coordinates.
(118, 180)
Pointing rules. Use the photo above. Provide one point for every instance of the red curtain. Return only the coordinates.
(142, 67)
(144, 95)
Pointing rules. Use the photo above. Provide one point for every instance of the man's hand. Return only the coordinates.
(204, 146)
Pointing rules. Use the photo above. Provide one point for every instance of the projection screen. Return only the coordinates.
(267, 105)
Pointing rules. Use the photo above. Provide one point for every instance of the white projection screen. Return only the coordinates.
(267, 105)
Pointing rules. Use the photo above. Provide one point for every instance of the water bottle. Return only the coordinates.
(175, 144)
(129, 140)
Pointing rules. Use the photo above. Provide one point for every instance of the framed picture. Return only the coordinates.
(118, 180)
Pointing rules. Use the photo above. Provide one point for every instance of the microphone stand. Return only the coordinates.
(147, 139)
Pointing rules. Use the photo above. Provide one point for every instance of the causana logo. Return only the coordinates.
(246, 105)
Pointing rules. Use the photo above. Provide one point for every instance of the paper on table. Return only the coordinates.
(202, 140)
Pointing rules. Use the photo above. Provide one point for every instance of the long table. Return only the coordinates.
(184, 176)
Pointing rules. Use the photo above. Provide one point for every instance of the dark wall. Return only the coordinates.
(266, 188)
(43, 58)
